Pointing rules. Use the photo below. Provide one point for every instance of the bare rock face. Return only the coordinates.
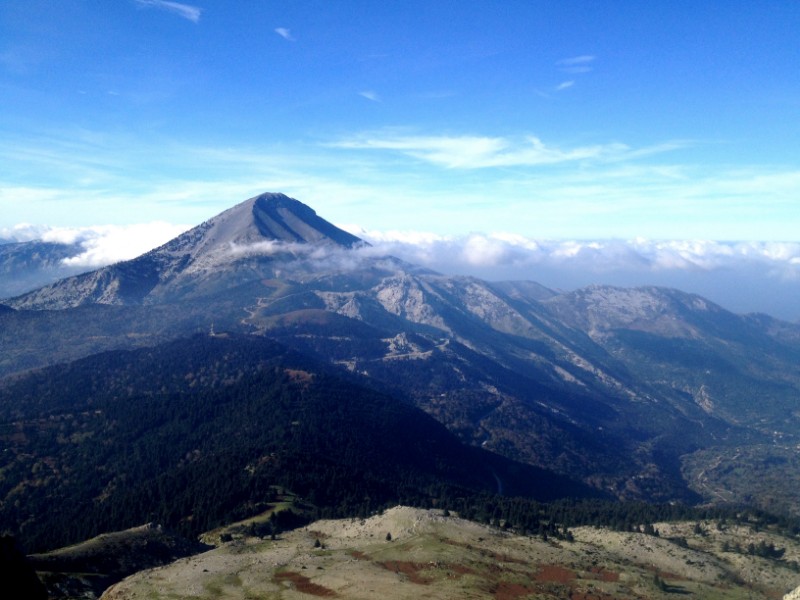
(793, 595)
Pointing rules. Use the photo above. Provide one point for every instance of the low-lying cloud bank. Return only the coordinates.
(740, 276)
(102, 245)
(511, 251)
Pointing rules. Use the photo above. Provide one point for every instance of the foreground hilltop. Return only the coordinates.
(412, 553)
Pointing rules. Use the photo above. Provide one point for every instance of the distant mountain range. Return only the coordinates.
(27, 265)
(645, 393)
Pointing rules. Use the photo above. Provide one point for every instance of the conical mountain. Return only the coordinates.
(243, 240)
(265, 218)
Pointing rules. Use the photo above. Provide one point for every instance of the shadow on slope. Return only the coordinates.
(196, 432)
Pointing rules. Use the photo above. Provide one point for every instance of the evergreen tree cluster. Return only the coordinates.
(198, 433)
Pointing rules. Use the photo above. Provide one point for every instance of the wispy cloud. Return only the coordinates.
(370, 95)
(564, 191)
(564, 85)
(285, 33)
(583, 59)
(476, 152)
(576, 64)
(187, 11)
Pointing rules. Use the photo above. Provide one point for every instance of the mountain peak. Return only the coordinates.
(269, 217)
(229, 248)
(273, 216)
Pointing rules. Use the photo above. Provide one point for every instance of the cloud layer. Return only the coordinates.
(506, 250)
(740, 276)
(102, 245)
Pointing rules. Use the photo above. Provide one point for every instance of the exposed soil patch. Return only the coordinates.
(358, 555)
(511, 591)
(461, 570)
(554, 574)
(299, 376)
(303, 584)
(455, 543)
(409, 569)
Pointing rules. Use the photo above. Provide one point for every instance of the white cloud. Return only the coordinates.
(740, 276)
(370, 95)
(616, 191)
(101, 245)
(599, 256)
(576, 60)
(475, 152)
(576, 64)
(565, 85)
(285, 33)
(191, 13)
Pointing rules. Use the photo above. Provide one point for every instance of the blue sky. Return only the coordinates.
(558, 120)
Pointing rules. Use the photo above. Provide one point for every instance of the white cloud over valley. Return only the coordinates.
(101, 245)
(740, 276)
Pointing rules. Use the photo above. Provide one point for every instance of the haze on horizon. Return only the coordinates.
(567, 143)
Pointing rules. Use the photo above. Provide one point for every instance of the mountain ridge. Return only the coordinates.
(620, 387)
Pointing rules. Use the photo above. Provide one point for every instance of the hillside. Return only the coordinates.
(25, 266)
(433, 556)
(198, 432)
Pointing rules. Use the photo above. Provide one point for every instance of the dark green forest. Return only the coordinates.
(201, 432)
(198, 432)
